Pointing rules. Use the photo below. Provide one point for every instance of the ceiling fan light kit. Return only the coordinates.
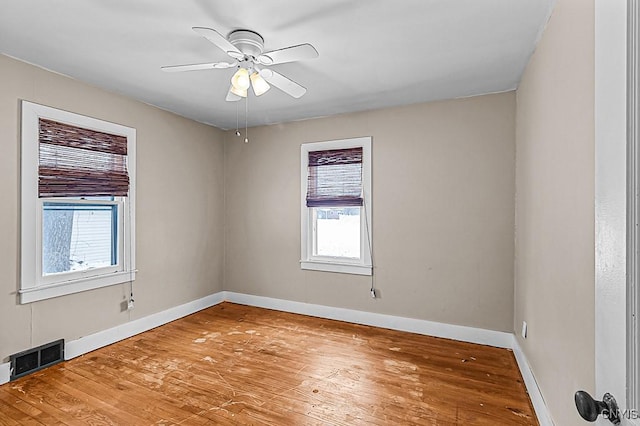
(246, 47)
(240, 79)
(238, 92)
(259, 84)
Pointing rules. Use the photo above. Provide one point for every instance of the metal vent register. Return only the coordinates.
(35, 359)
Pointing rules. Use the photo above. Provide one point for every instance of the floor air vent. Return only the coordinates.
(35, 359)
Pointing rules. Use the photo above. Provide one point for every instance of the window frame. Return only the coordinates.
(309, 261)
(34, 285)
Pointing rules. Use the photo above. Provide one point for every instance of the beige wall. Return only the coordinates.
(179, 211)
(554, 289)
(443, 212)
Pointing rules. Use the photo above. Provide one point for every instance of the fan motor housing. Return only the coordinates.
(248, 42)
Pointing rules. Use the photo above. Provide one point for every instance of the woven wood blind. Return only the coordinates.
(77, 162)
(335, 178)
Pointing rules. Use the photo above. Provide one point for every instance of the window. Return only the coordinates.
(336, 206)
(78, 194)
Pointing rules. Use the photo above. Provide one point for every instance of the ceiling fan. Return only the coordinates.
(246, 47)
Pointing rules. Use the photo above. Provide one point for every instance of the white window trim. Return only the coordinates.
(363, 265)
(33, 286)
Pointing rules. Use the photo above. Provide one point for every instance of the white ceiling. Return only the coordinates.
(373, 53)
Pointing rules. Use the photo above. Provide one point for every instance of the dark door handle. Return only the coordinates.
(590, 409)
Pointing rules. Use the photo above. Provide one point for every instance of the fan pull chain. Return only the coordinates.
(246, 119)
(237, 120)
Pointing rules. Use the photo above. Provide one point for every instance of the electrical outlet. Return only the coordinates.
(524, 329)
(124, 306)
(130, 305)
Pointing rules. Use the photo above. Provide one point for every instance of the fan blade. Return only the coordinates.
(288, 54)
(283, 83)
(232, 97)
(196, 67)
(219, 40)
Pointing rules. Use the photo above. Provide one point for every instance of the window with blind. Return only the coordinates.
(78, 186)
(336, 206)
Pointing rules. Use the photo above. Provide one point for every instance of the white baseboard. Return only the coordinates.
(532, 386)
(456, 332)
(5, 372)
(97, 340)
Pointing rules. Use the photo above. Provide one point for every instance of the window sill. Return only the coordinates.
(49, 291)
(341, 268)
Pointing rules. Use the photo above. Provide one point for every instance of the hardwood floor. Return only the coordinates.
(233, 364)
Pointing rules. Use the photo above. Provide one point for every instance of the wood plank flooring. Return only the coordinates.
(233, 364)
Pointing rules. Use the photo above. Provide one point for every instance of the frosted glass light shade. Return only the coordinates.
(259, 84)
(240, 79)
(239, 92)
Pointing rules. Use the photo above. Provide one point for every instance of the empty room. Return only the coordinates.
(332, 213)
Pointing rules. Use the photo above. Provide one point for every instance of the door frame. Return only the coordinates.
(633, 203)
(615, 155)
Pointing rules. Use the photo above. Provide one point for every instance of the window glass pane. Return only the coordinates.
(337, 232)
(77, 237)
